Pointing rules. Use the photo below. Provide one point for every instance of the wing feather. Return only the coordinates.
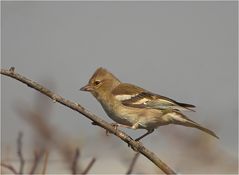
(134, 96)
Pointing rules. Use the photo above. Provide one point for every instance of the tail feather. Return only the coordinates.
(186, 105)
(181, 119)
(205, 130)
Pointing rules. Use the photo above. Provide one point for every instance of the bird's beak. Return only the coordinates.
(86, 88)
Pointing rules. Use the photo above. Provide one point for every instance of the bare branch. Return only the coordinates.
(37, 158)
(132, 163)
(45, 162)
(10, 167)
(19, 152)
(137, 146)
(48, 133)
(89, 166)
(74, 167)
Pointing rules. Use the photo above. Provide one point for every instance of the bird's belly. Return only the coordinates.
(146, 118)
(119, 119)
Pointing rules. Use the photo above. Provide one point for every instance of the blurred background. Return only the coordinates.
(184, 50)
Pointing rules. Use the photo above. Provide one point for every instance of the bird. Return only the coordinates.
(130, 106)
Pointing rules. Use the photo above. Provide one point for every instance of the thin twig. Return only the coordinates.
(100, 122)
(10, 167)
(19, 152)
(37, 157)
(48, 133)
(132, 163)
(89, 166)
(45, 162)
(74, 167)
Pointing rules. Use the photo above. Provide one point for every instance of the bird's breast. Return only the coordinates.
(112, 110)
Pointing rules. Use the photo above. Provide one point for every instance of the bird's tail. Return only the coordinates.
(181, 119)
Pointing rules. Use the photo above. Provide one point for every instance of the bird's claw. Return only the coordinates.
(115, 125)
(94, 123)
(136, 149)
(133, 147)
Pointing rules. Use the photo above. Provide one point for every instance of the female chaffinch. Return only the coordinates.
(134, 107)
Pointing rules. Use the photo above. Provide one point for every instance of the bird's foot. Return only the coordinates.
(94, 123)
(136, 147)
(115, 125)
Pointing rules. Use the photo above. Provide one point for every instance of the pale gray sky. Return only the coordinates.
(184, 50)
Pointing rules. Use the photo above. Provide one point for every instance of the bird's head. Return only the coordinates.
(101, 82)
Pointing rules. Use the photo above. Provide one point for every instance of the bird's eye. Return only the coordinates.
(96, 82)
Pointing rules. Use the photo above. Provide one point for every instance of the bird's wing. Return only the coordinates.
(133, 96)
